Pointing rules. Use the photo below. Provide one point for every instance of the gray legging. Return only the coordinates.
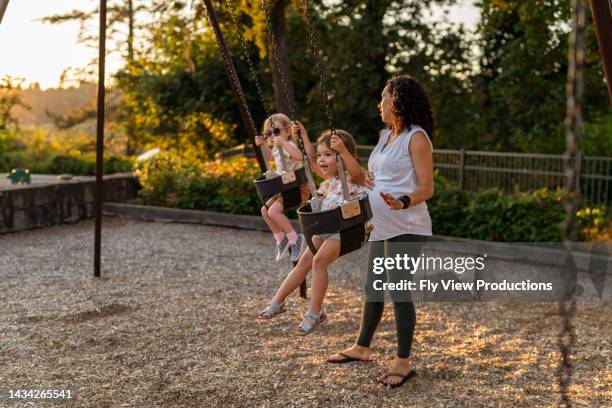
(405, 314)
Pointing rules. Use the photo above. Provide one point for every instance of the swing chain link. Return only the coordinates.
(315, 53)
(277, 60)
(302, 147)
(571, 192)
(249, 61)
(252, 69)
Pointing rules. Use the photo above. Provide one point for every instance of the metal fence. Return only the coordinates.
(473, 170)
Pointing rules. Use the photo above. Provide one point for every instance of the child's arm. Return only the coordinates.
(350, 162)
(299, 130)
(294, 152)
(265, 149)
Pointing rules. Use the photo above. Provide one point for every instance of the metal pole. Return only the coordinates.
(3, 5)
(99, 191)
(303, 289)
(602, 17)
(247, 119)
(461, 169)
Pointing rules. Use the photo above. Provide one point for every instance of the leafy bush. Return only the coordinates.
(490, 215)
(71, 165)
(42, 152)
(8, 148)
(215, 186)
(493, 215)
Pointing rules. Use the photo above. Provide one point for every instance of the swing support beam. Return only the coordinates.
(99, 189)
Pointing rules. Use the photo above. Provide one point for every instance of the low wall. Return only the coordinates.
(41, 205)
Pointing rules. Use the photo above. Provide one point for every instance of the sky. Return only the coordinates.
(40, 52)
(37, 51)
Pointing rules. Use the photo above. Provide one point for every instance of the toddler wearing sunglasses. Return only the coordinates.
(277, 132)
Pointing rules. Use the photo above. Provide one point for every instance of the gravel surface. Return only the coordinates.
(172, 323)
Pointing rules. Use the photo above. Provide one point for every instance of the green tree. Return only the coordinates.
(10, 98)
(125, 25)
(183, 77)
(520, 90)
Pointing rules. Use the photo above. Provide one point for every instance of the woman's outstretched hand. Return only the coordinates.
(392, 202)
(259, 140)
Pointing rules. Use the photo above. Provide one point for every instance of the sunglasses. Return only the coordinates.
(276, 132)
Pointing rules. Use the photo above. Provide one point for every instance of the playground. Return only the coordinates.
(158, 301)
(172, 322)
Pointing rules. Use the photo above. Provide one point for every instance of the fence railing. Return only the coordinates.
(472, 170)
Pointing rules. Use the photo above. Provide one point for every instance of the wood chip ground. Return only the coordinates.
(172, 323)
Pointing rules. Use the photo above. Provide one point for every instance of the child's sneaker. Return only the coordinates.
(296, 250)
(282, 249)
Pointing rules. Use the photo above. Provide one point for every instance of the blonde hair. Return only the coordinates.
(279, 120)
(346, 138)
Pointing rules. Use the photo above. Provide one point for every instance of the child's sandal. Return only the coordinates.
(273, 310)
(314, 320)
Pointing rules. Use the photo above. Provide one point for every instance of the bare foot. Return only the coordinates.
(357, 352)
(401, 367)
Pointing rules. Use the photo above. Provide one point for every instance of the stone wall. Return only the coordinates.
(42, 205)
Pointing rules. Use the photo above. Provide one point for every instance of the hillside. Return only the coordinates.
(57, 101)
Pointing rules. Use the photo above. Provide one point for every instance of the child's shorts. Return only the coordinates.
(325, 237)
(304, 196)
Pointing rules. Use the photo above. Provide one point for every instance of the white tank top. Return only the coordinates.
(394, 174)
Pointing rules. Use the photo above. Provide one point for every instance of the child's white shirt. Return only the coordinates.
(331, 190)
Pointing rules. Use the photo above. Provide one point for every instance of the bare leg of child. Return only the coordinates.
(297, 274)
(276, 214)
(326, 255)
(295, 277)
(274, 227)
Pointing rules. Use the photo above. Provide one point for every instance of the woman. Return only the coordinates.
(401, 177)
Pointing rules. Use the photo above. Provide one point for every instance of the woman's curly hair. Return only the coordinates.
(410, 105)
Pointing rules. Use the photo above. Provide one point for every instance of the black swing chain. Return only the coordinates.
(315, 54)
(281, 71)
(571, 192)
(249, 61)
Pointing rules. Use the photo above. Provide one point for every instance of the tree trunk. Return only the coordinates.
(279, 27)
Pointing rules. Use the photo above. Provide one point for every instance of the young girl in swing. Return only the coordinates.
(328, 245)
(277, 129)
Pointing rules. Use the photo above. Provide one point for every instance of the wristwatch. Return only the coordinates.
(405, 200)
